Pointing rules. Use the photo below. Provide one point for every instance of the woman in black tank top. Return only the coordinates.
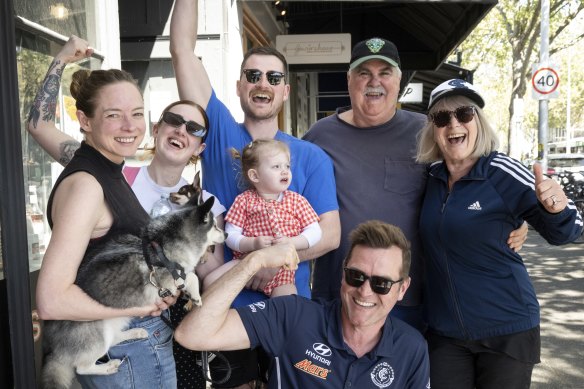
(92, 200)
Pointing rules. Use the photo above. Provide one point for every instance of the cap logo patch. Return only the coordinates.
(375, 44)
(458, 83)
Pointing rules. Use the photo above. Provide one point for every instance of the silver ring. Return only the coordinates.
(554, 200)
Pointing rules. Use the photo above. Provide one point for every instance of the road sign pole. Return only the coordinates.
(542, 134)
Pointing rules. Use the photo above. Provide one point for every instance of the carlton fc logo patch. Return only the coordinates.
(375, 44)
(382, 375)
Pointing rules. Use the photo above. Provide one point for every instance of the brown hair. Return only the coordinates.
(86, 85)
(150, 150)
(264, 50)
(379, 235)
(251, 154)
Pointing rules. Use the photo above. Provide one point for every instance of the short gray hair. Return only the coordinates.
(487, 140)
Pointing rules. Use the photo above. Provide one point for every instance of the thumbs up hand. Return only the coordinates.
(549, 192)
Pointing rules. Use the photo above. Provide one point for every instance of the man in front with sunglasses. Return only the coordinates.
(350, 341)
(262, 90)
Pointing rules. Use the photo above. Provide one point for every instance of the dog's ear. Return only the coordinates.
(204, 209)
(197, 180)
(197, 189)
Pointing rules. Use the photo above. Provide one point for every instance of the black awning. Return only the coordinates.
(425, 32)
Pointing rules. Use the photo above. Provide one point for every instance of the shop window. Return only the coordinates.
(65, 17)
(34, 55)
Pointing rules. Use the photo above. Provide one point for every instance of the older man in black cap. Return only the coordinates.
(373, 146)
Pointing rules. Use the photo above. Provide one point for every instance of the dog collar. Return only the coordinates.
(175, 269)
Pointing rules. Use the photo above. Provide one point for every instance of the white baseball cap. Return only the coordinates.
(456, 87)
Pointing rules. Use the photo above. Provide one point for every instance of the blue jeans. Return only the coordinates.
(146, 363)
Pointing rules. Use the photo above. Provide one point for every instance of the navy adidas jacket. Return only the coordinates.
(477, 287)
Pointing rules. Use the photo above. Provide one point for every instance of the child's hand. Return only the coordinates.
(281, 240)
(261, 242)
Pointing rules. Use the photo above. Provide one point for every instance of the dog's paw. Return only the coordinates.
(197, 301)
(112, 366)
(133, 333)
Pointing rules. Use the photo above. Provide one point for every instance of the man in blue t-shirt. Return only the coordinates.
(350, 341)
(262, 90)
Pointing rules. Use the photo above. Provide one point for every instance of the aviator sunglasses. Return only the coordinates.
(177, 120)
(379, 285)
(253, 76)
(462, 114)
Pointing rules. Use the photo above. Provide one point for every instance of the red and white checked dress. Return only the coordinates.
(259, 217)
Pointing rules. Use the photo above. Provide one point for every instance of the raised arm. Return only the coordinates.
(41, 119)
(191, 78)
(213, 326)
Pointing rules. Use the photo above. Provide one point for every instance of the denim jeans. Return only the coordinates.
(146, 363)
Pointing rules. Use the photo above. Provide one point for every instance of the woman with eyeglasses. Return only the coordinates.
(178, 139)
(483, 314)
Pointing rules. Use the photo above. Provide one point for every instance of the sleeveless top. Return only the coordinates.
(128, 215)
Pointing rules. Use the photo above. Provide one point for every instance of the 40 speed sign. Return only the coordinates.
(545, 81)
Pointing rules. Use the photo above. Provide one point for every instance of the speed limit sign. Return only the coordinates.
(545, 81)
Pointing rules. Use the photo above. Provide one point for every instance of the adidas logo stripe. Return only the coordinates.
(476, 206)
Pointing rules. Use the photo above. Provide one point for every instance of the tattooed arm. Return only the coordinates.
(41, 119)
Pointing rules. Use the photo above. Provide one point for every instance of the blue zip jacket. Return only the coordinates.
(477, 287)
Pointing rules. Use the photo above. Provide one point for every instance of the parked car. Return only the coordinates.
(558, 163)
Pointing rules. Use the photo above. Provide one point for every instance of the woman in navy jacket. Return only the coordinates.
(482, 310)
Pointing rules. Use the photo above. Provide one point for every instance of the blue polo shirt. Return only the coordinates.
(305, 338)
(312, 177)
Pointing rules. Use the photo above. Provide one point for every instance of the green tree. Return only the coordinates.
(506, 43)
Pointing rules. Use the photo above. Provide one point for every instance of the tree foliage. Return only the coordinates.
(505, 45)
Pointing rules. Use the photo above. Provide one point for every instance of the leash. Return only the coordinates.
(179, 275)
(176, 270)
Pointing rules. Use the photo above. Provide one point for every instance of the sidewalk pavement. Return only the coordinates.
(558, 277)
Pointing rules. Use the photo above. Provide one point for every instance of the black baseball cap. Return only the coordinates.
(374, 48)
(456, 87)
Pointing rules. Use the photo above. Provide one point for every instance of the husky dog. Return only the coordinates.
(129, 271)
(187, 192)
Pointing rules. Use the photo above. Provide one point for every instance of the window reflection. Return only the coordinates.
(63, 16)
(34, 55)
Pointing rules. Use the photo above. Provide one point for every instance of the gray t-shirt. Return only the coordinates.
(377, 178)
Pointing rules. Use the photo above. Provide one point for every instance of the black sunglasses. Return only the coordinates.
(462, 114)
(254, 76)
(379, 285)
(177, 120)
